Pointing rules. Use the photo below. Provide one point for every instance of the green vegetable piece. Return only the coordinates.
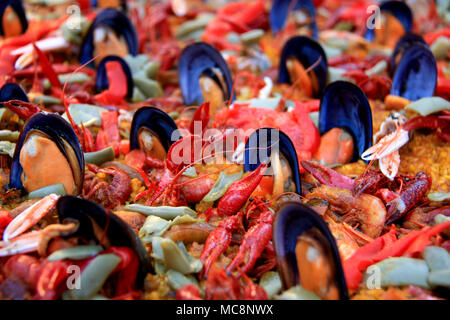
(153, 226)
(440, 47)
(297, 293)
(252, 36)
(401, 271)
(76, 253)
(440, 218)
(7, 147)
(177, 280)
(437, 258)
(438, 196)
(151, 69)
(190, 172)
(100, 157)
(86, 114)
(271, 283)
(45, 191)
(439, 278)
(164, 212)
(221, 186)
(426, 106)
(46, 100)
(138, 96)
(150, 88)
(174, 256)
(8, 135)
(94, 276)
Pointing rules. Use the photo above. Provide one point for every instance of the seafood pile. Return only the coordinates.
(190, 150)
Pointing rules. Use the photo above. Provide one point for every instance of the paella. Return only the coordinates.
(206, 150)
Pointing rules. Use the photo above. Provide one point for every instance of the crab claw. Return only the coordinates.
(29, 217)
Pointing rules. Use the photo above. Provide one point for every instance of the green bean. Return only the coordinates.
(440, 278)
(164, 212)
(150, 88)
(221, 186)
(94, 276)
(100, 157)
(437, 258)
(45, 191)
(252, 36)
(85, 113)
(46, 100)
(76, 253)
(174, 256)
(439, 196)
(151, 69)
(77, 77)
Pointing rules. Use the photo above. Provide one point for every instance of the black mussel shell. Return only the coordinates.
(12, 91)
(118, 232)
(344, 105)
(416, 74)
(200, 59)
(405, 42)
(308, 52)
(291, 221)
(123, 5)
(280, 11)
(101, 82)
(57, 129)
(260, 145)
(400, 10)
(118, 22)
(17, 6)
(157, 121)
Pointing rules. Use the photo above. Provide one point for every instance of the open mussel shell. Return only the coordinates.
(118, 232)
(59, 131)
(405, 42)
(17, 7)
(280, 11)
(12, 91)
(201, 59)
(400, 10)
(416, 74)
(260, 145)
(101, 82)
(155, 120)
(121, 4)
(292, 221)
(308, 52)
(119, 23)
(344, 105)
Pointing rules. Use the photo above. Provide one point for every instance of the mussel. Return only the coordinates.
(280, 11)
(395, 13)
(12, 91)
(402, 45)
(345, 106)
(48, 152)
(14, 20)
(104, 227)
(298, 54)
(102, 4)
(152, 131)
(272, 145)
(416, 74)
(204, 76)
(101, 82)
(306, 252)
(115, 31)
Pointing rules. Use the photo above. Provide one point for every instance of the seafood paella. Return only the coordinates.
(190, 150)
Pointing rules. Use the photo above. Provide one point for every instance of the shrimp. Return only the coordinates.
(368, 210)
